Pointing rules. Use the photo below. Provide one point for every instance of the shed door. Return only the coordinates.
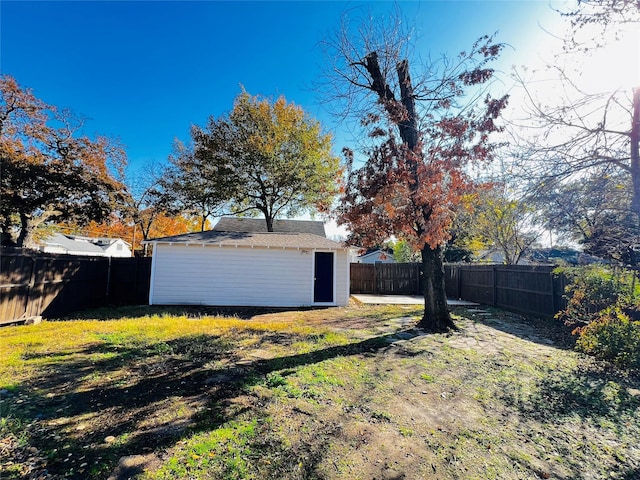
(323, 281)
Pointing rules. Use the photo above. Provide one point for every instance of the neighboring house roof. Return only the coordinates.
(258, 225)
(252, 239)
(76, 243)
(105, 241)
(376, 253)
(71, 243)
(497, 257)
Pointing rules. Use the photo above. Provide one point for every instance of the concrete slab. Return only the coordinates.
(403, 300)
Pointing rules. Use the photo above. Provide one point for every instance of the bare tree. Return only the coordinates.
(578, 135)
(145, 201)
(607, 15)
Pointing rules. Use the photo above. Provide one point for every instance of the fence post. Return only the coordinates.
(30, 311)
(107, 293)
(495, 286)
(375, 279)
(553, 293)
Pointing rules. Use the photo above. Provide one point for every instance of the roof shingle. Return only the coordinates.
(259, 225)
(252, 239)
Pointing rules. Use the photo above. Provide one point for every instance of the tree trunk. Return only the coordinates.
(269, 220)
(28, 227)
(409, 127)
(436, 316)
(635, 153)
(24, 231)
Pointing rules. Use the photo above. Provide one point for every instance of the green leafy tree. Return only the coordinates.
(265, 157)
(50, 171)
(503, 224)
(465, 244)
(403, 252)
(201, 178)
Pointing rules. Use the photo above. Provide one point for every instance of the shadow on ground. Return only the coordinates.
(592, 390)
(543, 331)
(109, 406)
(120, 412)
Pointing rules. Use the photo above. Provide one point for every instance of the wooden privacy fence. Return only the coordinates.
(533, 290)
(129, 281)
(386, 278)
(529, 289)
(34, 284)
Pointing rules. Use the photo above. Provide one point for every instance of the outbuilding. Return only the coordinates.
(249, 268)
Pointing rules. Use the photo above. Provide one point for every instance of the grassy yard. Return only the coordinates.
(340, 393)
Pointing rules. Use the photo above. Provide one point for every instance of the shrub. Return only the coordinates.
(593, 289)
(612, 336)
(599, 301)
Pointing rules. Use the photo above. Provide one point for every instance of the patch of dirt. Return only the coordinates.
(22, 461)
(134, 465)
(395, 403)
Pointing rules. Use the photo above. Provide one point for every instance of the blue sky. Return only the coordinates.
(144, 72)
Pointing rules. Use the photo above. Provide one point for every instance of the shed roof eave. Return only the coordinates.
(237, 245)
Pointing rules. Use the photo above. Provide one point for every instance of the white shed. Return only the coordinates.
(276, 269)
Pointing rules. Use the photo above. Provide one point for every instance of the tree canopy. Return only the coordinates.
(594, 211)
(578, 153)
(51, 171)
(264, 157)
(503, 224)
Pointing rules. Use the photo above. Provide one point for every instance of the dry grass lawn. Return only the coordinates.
(339, 393)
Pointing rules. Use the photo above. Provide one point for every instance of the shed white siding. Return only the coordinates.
(239, 276)
(342, 277)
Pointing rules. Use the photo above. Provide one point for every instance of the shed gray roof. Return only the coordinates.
(259, 225)
(252, 239)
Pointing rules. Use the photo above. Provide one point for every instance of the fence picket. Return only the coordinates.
(532, 290)
(54, 285)
(33, 283)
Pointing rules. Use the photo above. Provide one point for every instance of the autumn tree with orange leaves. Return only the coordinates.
(423, 130)
(146, 214)
(163, 225)
(50, 170)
